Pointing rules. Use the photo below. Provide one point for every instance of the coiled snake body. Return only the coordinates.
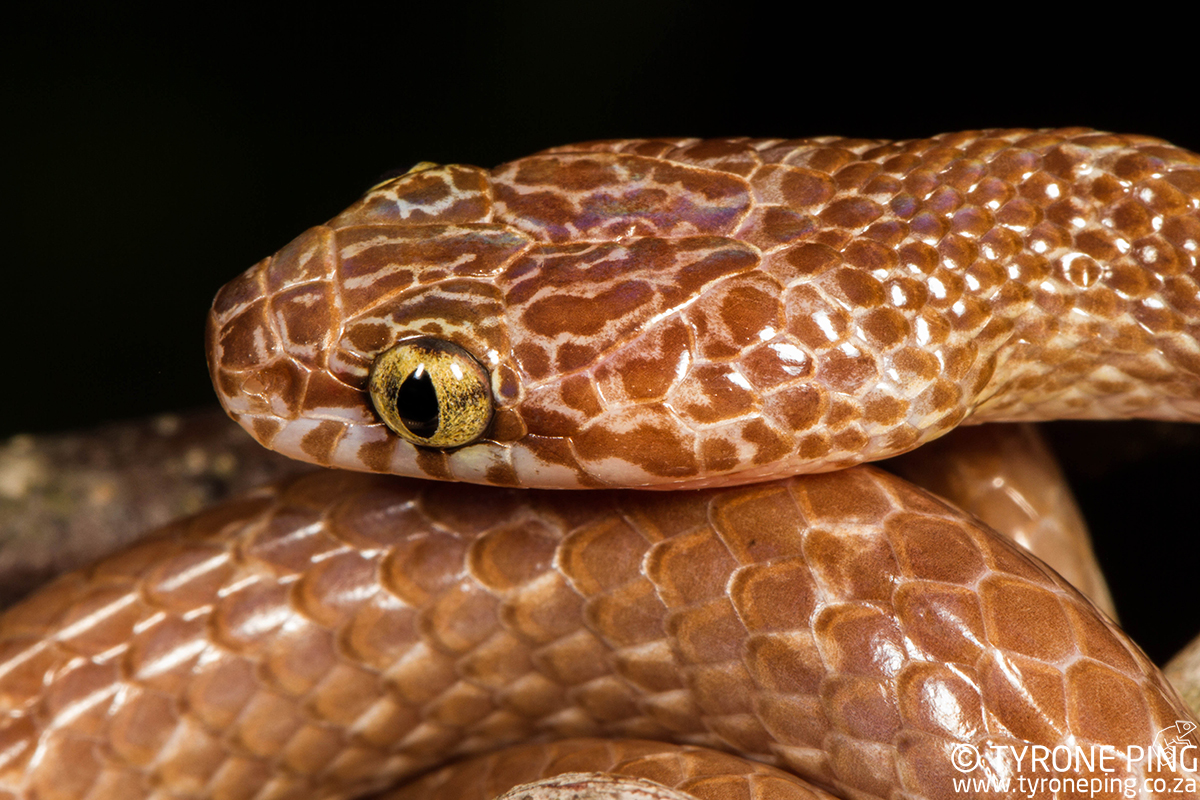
(670, 314)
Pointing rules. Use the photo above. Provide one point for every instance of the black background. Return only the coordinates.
(148, 160)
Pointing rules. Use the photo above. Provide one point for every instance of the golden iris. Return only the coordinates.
(431, 392)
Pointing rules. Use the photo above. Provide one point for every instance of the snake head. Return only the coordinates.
(292, 342)
(603, 318)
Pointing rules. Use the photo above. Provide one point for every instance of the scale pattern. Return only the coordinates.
(344, 630)
(682, 312)
(1007, 477)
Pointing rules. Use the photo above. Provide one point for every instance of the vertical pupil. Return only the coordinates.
(417, 404)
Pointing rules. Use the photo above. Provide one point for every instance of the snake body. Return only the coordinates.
(654, 313)
(679, 313)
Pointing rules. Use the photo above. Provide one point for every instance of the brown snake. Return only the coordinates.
(651, 313)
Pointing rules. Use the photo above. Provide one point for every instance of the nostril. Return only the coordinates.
(254, 385)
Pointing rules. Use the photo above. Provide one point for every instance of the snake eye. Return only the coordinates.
(431, 393)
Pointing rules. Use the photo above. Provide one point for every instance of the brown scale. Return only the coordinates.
(683, 312)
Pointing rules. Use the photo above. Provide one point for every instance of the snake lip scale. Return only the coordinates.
(708, 318)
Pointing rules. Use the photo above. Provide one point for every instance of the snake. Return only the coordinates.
(659, 365)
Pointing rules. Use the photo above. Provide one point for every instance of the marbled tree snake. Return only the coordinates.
(673, 314)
